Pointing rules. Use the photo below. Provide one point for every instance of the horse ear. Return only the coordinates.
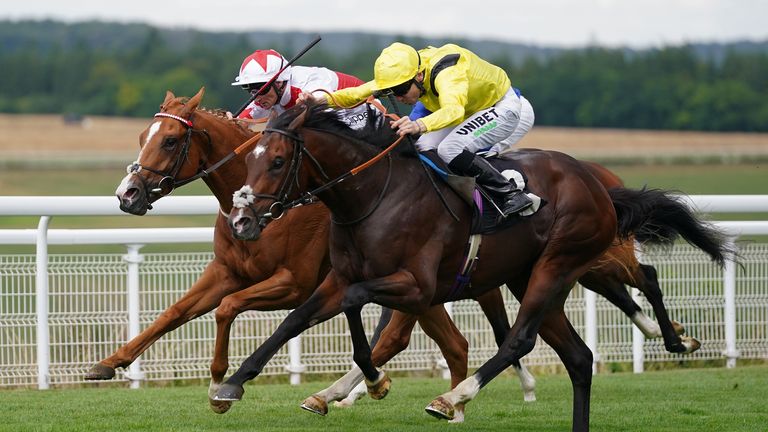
(299, 120)
(193, 103)
(272, 118)
(169, 96)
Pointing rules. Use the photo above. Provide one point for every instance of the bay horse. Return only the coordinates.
(393, 243)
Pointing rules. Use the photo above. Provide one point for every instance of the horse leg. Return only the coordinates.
(439, 326)
(378, 387)
(400, 289)
(492, 305)
(547, 290)
(280, 291)
(609, 280)
(201, 298)
(577, 358)
(673, 342)
(323, 304)
(389, 341)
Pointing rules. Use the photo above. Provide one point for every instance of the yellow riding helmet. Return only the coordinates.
(396, 64)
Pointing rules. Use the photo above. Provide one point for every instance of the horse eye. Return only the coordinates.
(170, 142)
(278, 163)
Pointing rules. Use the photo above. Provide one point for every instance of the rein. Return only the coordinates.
(375, 102)
(279, 207)
(168, 183)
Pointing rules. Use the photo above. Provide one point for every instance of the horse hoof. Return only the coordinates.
(219, 407)
(100, 372)
(315, 404)
(440, 408)
(379, 389)
(529, 396)
(344, 403)
(229, 393)
(458, 416)
(679, 329)
(690, 344)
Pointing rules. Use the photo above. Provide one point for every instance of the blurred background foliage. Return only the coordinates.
(97, 68)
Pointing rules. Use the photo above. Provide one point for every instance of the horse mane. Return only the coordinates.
(324, 118)
(216, 113)
(221, 114)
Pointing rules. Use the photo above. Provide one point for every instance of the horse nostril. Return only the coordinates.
(130, 194)
(242, 224)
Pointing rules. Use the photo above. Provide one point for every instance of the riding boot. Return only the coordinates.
(503, 190)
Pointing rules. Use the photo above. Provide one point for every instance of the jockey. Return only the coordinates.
(473, 108)
(259, 67)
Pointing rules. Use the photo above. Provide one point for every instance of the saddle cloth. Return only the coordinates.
(486, 218)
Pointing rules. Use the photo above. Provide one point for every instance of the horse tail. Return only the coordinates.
(657, 217)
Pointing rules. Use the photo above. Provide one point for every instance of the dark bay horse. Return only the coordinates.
(393, 243)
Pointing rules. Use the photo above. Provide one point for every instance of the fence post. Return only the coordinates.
(295, 367)
(41, 301)
(590, 324)
(133, 258)
(729, 292)
(638, 340)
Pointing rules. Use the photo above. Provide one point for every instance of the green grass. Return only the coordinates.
(698, 179)
(676, 401)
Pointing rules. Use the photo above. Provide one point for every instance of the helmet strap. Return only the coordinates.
(419, 85)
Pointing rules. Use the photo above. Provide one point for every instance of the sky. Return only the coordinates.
(556, 23)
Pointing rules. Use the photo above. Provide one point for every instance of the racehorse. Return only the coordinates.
(394, 244)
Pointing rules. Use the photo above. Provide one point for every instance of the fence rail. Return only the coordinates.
(61, 313)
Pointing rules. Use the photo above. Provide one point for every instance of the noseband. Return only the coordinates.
(245, 196)
(168, 182)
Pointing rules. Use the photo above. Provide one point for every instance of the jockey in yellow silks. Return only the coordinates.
(473, 108)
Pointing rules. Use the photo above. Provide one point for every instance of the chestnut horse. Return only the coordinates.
(394, 244)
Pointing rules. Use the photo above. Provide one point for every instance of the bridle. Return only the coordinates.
(277, 209)
(168, 182)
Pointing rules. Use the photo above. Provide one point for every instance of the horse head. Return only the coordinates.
(166, 148)
(274, 168)
(277, 178)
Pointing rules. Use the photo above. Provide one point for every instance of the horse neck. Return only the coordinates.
(225, 138)
(338, 156)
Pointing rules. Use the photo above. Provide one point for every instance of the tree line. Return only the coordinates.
(665, 88)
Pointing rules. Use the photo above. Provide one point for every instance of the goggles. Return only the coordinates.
(400, 89)
(253, 87)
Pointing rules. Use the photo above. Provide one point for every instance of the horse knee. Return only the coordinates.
(226, 312)
(514, 349)
(354, 297)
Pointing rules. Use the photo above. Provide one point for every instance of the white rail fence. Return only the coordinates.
(59, 314)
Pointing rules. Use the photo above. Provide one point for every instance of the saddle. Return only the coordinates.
(486, 218)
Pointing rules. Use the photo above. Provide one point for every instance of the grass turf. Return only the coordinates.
(714, 399)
